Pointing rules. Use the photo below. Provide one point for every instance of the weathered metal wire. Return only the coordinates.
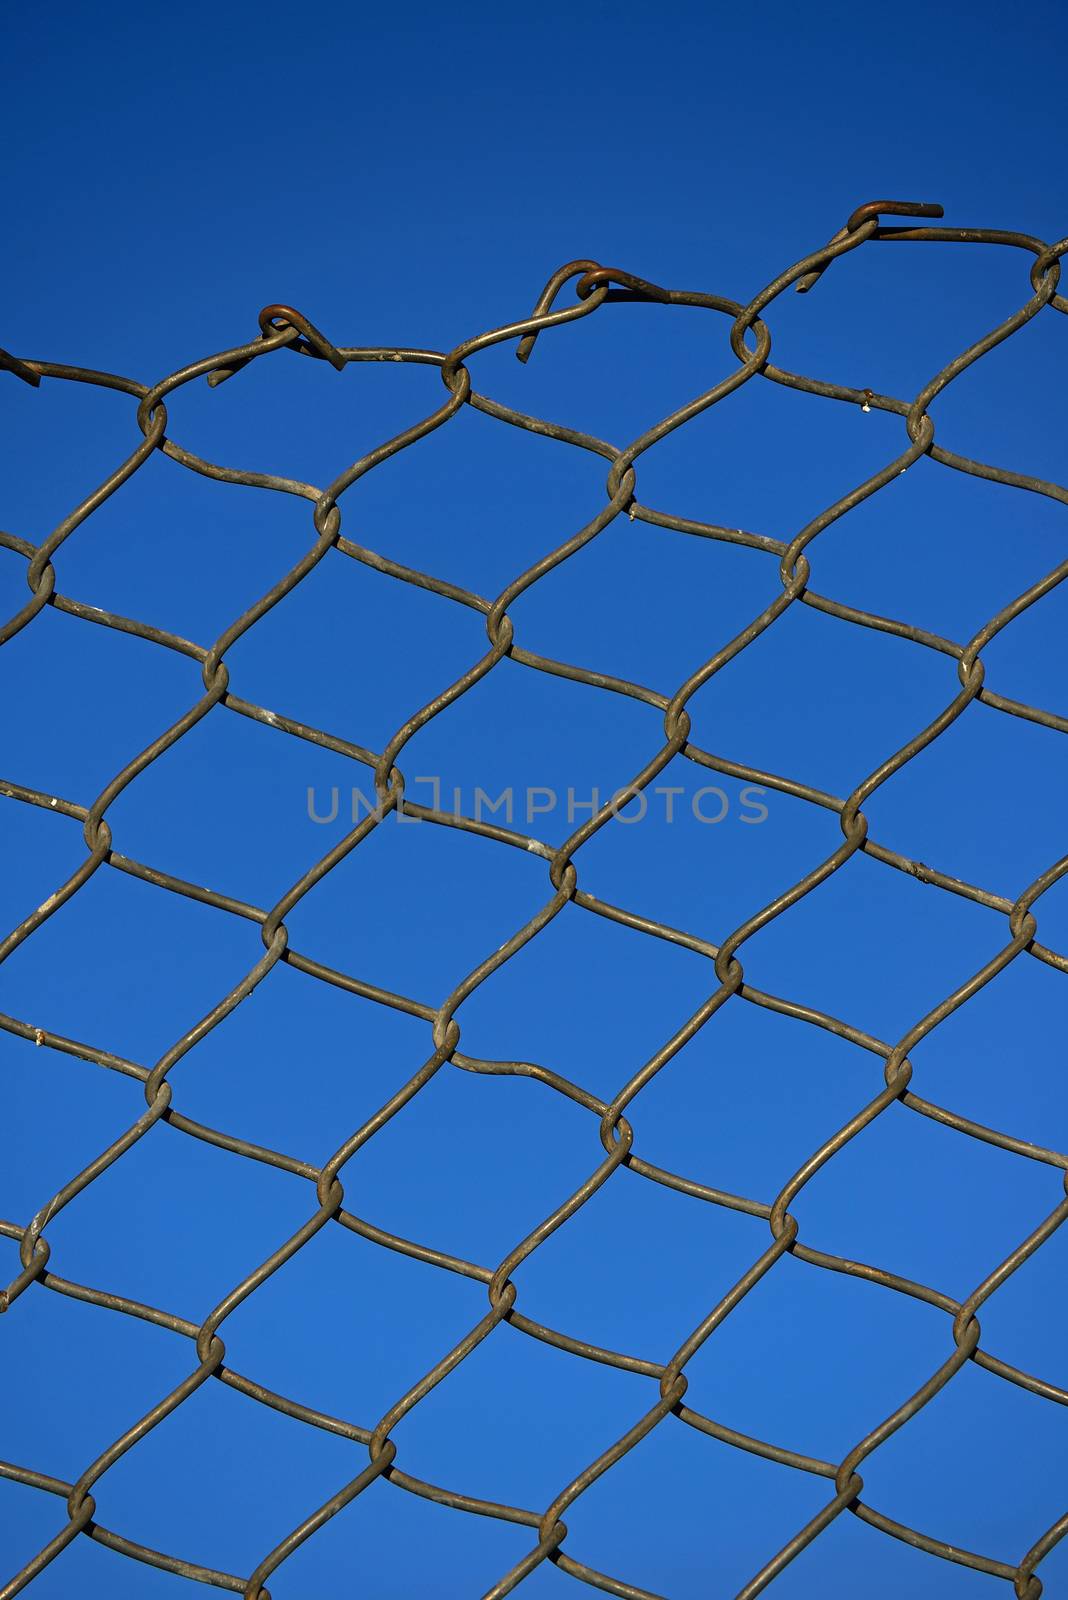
(282, 328)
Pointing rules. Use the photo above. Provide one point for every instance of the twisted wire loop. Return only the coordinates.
(283, 328)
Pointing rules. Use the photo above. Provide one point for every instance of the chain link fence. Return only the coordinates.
(579, 289)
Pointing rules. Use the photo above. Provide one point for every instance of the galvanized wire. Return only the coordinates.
(664, 1404)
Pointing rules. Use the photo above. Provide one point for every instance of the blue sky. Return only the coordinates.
(411, 178)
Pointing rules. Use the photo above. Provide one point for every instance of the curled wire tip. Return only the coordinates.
(871, 211)
(312, 342)
(289, 327)
(893, 208)
(543, 305)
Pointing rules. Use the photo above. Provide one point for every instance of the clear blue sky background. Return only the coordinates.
(411, 176)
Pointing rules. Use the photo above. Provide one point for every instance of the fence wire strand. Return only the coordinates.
(579, 289)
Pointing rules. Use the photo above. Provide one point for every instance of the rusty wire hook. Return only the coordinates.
(307, 340)
(871, 212)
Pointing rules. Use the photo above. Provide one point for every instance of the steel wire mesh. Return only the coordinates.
(282, 328)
